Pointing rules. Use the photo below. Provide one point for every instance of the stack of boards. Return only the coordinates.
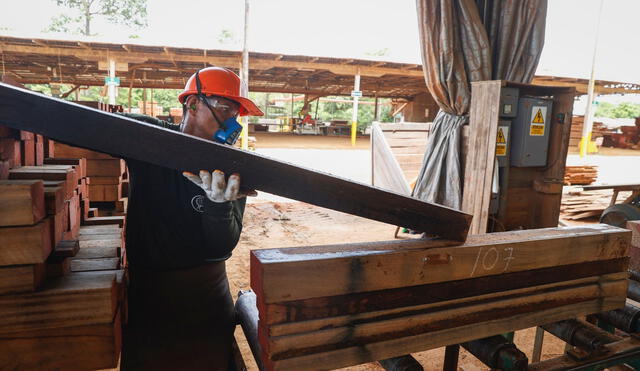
(580, 175)
(579, 204)
(341, 305)
(107, 181)
(61, 287)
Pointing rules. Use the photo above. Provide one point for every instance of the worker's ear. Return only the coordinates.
(191, 102)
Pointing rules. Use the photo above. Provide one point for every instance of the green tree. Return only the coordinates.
(131, 13)
(622, 110)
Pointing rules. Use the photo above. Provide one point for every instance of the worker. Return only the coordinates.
(180, 229)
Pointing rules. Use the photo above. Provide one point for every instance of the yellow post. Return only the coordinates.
(354, 129)
(354, 117)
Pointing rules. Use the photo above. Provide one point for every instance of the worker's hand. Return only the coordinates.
(215, 186)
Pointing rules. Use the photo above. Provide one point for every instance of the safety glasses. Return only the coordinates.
(224, 108)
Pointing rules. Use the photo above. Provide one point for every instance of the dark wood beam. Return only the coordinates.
(119, 136)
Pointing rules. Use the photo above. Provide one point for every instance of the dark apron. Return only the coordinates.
(179, 320)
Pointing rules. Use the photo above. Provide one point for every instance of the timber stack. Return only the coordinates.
(579, 204)
(577, 122)
(388, 299)
(61, 287)
(106, 180)
(580, 175)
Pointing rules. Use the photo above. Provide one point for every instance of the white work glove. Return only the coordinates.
(216, 187)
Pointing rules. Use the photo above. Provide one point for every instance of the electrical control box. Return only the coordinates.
(530, 132)
(509, 102)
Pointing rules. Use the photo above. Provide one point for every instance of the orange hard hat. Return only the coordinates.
(220, 82)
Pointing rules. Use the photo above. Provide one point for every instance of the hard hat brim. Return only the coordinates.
(247, 107)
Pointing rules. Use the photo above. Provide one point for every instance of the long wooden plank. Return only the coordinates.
(323, 311)
(357, 354)
(90, 128)
(365, 316)
(343, 269)
(478, 173)
(442, 318)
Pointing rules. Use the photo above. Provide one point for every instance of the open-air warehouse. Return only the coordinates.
(166, 206)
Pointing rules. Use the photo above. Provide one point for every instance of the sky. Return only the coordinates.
(353, 29)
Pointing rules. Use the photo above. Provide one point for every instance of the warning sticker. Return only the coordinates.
(501, 140)
(538, 113)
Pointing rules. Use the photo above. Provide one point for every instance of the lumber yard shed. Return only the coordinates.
(490, 258)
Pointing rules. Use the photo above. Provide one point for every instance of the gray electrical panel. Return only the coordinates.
(530, 132)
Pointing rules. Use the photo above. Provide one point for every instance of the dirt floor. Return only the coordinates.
(293, 141)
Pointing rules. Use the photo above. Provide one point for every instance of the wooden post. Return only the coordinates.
(144, 101)
(133, 77)
(375, 110)
(111, 86)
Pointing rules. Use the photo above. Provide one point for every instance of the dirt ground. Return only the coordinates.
(291, 141)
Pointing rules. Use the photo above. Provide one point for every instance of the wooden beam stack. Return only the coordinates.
(599, 130)
(341, 305)
(61, 306)
(580, 175)
(19, 148)
(107, 181)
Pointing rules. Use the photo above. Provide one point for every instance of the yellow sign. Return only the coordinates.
(536, 130)
(539, 118)
(501, 140)
(538, 113)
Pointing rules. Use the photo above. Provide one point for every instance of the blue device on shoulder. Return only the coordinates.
(229, 131)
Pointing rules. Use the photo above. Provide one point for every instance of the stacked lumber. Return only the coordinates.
(52, 316)
(578, 204)
(629, 137)
(18, 148)
(106, 179)
(599, 130)
(580, 175)
(62, 193)
(335, 306)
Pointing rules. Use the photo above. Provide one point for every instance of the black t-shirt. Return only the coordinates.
(171, 224)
